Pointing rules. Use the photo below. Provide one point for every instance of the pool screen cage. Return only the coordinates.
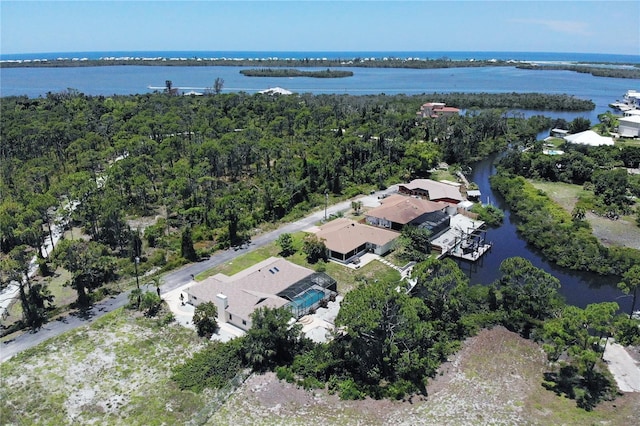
(318, 280)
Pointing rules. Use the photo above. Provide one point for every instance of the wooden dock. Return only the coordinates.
(472, 255)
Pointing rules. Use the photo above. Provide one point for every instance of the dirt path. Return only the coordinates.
(624, 368)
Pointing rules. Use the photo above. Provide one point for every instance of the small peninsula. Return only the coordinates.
(291, 72)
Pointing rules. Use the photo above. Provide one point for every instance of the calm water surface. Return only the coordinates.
(578, 288)
(129, 79)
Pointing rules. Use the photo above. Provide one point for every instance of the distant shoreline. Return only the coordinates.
(291, 72)
(603, 69)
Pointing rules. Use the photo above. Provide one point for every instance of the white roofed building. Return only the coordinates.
(590, 138)
(276, 91)
(629, 127)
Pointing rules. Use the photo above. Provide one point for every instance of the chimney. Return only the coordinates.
(221, 304)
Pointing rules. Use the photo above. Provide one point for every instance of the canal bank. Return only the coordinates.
(579, 288)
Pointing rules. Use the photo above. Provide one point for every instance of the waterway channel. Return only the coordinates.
(578, 288)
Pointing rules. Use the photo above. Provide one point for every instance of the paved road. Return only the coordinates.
(170, 281)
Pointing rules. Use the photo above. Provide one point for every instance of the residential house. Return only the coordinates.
(432, 190)
(397, 211)
(589, 137)
(346, 239)
(272, 283)
(558, 133)
(435, 110)
(629, 127)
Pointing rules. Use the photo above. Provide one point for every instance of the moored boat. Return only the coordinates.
(630, 101)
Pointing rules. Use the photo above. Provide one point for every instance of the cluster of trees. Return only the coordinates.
(580, 337)
(289, 72)
(527, 101)
(210, 169)
(611, 72)
(488, 213)
(389, 342)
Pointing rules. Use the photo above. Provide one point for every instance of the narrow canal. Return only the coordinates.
(578, 288)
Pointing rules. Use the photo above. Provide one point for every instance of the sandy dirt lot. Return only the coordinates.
(495, 379)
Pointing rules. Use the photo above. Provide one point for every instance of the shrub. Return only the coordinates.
(212, 367)
(158, 258)
(285, 373)
(627, 331)
(204, 318)
(154, 233)
(489, 213)
(348, 390)
(310, 383)
(166, 319)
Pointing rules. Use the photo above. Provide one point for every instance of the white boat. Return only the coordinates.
(630, 101)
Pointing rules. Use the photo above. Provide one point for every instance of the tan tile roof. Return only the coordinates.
(403, 209)
(436, 190)
(343, 235)
(253, 287)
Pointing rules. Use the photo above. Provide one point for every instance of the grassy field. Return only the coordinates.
(565, 194)
(114, 372)
(622, 232)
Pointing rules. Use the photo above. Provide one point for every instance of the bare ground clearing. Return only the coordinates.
(117, 371)
(494, 379)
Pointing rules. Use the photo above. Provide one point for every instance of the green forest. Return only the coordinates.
(209, 172)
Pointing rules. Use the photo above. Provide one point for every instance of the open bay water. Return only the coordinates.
(133, 79)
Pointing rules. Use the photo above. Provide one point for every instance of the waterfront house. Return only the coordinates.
(432, 190)
(346, 239)
(272, 283)
(629, 127)
(435, 110)
(398, 210)
(589, 137)
(558, 133)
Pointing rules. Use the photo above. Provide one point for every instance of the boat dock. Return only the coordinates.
(465, 239)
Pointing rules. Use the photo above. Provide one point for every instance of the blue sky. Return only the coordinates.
(537, 26)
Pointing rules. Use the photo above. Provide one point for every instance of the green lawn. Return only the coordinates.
(241, 262)
(564, 194)
(347, 278)
(623, 232)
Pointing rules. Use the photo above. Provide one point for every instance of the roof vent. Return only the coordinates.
(271, 270)
(275, 268)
